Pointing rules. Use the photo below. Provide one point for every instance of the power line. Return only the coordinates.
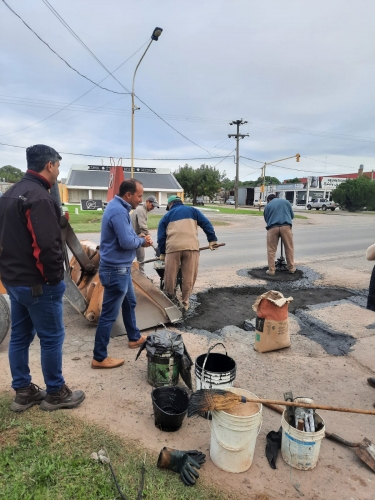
(64, 60)
(75, 100)
(124, 158)
(225, 158)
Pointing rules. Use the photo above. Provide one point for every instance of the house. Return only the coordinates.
(90, 182)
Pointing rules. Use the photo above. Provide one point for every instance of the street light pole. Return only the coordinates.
(155, 36)
(237, 136)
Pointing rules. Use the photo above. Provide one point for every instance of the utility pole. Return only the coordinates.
(237, 136)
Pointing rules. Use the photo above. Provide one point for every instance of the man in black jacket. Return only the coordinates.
(31, 269)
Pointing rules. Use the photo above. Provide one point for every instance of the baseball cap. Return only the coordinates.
(154, 201)
(171, 199)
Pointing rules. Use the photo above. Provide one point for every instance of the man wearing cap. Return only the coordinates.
(139, 220)
(179, 246)
(278, 215)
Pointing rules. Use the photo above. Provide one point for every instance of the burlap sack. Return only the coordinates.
(271, 328)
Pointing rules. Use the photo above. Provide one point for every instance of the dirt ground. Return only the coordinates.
(120, 399)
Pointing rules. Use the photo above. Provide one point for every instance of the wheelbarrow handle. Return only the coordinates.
(202, 248)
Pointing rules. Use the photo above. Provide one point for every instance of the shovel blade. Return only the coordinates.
(366, 452)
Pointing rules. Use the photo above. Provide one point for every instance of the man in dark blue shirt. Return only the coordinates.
(118, 244)
(278, 215)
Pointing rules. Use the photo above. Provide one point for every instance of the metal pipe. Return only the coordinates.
(133, 109)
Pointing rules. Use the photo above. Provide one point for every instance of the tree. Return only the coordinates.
(296, 180)
(11, 174)
(203, 181)
(355, 194)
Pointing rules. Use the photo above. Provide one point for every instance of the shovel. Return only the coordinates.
(201, 248)
(365, 450)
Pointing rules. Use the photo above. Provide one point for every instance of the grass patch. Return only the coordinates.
(46, 456)
(90, 221)
(240, 211)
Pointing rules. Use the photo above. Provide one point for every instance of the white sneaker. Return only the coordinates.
(270, 272)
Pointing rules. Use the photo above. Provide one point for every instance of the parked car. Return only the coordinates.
(200, 201)
(230, 202)
(322, 203)
(261, 202)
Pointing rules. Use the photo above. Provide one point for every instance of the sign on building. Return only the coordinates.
(91, 204)
(332, 182)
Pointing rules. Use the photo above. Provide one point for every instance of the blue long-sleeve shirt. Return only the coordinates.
(278, 212)
(118, 240)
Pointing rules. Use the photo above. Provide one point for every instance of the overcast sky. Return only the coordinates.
(301, 72)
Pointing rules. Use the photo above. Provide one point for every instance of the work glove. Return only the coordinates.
(213, 245)
(180, 462)
(157, 251)
(162, 257)
(196, 455)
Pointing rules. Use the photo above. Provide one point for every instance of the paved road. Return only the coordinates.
(321, 235)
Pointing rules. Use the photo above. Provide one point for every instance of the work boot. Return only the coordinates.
(63, 398)
(371, 381)
(27, 397)
(133, 344)
(185, 305)
(292, 271)
(270, 273)
(107, 363)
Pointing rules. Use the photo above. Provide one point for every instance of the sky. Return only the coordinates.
(301, 73)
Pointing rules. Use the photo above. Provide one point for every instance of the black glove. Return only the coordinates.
(196, 455)
(180, 462)
(272, 447)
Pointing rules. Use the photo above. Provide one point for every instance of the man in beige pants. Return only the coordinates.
(139, 222)
(179, 246)
(278, 215)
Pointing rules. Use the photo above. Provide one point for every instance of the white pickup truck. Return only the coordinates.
(322, 203)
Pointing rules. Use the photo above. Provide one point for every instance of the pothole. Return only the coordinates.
(221, 307)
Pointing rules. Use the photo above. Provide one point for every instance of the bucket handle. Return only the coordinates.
(208, 352)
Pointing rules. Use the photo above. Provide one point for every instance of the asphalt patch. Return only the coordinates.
(260, 273)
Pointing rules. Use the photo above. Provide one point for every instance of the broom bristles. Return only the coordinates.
(212, 399)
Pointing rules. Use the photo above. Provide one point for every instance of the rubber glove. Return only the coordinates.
(162, 257)
(196, 455)
(180, 462)
(213, 245)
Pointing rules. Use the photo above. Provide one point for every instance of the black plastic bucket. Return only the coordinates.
(170, 407)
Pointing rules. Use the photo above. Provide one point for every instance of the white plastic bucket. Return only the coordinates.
(301, 449)
(233, 437)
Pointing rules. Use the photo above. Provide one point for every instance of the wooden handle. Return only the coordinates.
(202, 248)
(313, 407)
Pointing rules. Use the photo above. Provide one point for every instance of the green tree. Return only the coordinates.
(11, 174)
(203, 181)
(355, 194)
(296, 180)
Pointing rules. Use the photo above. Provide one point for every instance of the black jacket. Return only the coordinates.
(30, 235)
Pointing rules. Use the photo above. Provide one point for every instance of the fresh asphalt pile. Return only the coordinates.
(217, 308)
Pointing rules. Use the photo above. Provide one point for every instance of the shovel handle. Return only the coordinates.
(338, 439)
(202, 248)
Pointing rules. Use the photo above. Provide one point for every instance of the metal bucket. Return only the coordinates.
(163, 369)
(214, 370)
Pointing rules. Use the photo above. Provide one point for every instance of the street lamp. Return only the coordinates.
(154, 37)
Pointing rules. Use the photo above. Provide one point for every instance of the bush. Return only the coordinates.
(355, 194)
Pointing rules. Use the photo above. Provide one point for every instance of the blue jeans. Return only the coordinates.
(42, 315)
(118, 292)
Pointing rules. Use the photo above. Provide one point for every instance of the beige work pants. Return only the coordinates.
(188, 260)
(286, 235)
(140, 252)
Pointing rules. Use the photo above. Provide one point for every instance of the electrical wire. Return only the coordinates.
(225, 158)
(62, 59)
(123, 157)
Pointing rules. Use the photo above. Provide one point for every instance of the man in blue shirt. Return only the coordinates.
(278, 215)
(118, 244)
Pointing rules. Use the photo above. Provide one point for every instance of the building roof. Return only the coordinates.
(100, 179)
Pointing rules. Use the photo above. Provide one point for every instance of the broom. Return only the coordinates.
(218, 399)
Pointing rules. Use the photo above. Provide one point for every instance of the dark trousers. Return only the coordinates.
(371, 292)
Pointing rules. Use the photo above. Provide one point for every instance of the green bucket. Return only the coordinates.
(163, 369)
